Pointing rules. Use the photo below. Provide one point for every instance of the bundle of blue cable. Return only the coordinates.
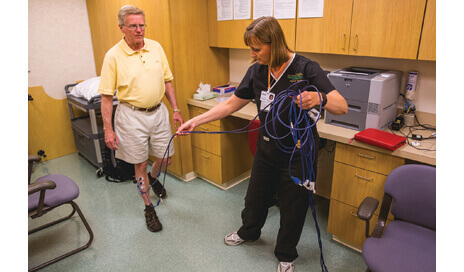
(299, 128)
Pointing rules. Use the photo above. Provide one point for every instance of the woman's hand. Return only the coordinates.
(307, 100)
(185, 128)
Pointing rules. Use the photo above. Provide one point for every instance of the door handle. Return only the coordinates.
(364, 178)
(366, 156)
(204, 156)
(343, 41)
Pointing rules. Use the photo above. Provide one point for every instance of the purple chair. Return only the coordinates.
(408, 243)
(48, 193)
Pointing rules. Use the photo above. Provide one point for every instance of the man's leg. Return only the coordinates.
(142, 181)
(158, 166)
(155, 169)
(153, 223)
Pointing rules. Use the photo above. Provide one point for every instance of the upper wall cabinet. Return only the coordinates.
(329, 34)
(380, 28)
(229, 34)
(427, 49)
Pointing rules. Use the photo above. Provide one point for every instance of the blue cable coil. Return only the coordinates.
(300, 129)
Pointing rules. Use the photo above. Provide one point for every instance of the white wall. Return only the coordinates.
(239, 60)
(60, 46)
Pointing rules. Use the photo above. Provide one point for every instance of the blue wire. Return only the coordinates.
(299, 127)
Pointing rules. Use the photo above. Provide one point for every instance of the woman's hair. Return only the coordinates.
(267, 30)
(129, 10)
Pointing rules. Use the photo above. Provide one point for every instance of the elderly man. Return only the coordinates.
(138, 68)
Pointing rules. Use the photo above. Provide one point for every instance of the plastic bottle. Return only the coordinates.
(411, 87)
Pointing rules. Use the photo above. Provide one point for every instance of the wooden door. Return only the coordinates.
(427, 49)
(386, 28)
(49, 125)
(329, 34)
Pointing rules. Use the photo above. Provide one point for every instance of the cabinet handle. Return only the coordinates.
(201, 112)
(366, 156)
(204, 156)
(355, 42)
(364, 178)
(204, 128)
(343, 41)
(353, 214)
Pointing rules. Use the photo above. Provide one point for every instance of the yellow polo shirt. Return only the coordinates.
(139, 76)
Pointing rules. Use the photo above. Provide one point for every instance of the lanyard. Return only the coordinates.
(280, 70)
(269, 76)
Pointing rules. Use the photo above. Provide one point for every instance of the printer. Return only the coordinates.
(372, 97)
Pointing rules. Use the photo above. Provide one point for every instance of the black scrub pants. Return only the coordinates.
(269, 176)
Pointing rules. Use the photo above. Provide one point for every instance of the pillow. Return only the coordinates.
(87, 89)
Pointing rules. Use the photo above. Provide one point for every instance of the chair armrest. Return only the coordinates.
(33, 158)
(366, 211)
(40, 185)
(367, 208)
(383, 215)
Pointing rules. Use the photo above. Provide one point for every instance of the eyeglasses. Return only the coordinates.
(134, 26)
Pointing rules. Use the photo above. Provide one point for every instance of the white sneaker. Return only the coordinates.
(286, 267)
(232, 239)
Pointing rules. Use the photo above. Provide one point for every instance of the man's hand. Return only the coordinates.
(177, 118)
(111, 140)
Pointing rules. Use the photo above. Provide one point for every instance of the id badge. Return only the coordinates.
(266, 99)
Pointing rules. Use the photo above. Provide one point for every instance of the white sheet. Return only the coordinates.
(87, 89)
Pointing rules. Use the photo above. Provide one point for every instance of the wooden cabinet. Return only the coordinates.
(229, 34)
(427, 49)
(220, 158)
(381, 28)
(329, 34)
(358, 173)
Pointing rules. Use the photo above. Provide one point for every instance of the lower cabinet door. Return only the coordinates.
(344, 223)
(207, 165)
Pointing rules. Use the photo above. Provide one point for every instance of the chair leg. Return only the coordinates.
(87, 226)
(54, 222)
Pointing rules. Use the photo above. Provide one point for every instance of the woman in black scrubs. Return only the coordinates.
(276, 68)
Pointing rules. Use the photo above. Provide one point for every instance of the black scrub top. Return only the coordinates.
(256, 81)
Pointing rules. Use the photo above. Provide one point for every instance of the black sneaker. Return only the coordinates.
(153, 223)
(157, 187)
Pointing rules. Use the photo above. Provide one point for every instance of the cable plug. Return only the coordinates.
(310, 185)
(296, 180)
(417, 137)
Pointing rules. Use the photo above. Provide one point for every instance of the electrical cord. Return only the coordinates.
(415, 128)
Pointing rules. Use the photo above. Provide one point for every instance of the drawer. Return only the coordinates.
(85, 145)
(195, 111)
(344, 223)
(367, 159)
(207, 165)
(351, 185)
(207, 142)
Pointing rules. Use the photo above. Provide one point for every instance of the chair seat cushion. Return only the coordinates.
(65, 191)
(403, 247)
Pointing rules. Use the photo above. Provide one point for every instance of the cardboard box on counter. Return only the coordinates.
(224, 90)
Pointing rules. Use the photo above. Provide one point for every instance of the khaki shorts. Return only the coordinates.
(142, 133)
